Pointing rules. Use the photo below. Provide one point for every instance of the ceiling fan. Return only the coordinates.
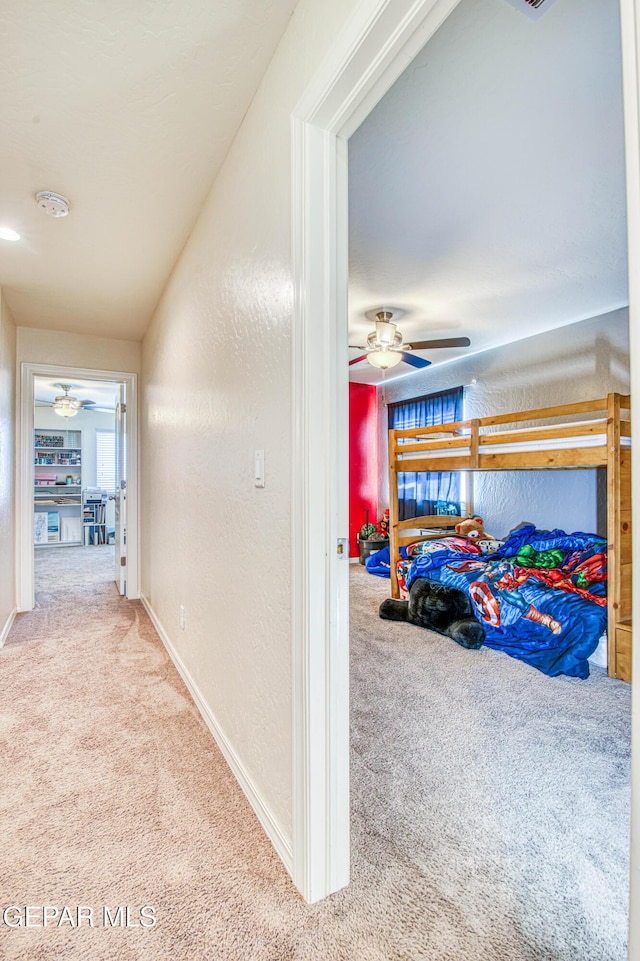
(65, 405)
(385, 347)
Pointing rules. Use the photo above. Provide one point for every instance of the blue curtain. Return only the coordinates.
(428, 493)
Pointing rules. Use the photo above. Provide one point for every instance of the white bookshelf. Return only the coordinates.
(94, 519)
(57, 500)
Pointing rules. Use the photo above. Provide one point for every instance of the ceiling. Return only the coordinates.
(102, 392)
(127, 108)
(486, 189)
(487, 194)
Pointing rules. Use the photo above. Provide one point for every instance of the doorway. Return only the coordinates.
(78, 479)
(78, 524)
(374, 49)
(431, 198)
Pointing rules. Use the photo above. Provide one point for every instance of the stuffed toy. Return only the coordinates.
(437, 607)
(473, 528)
(383, 526)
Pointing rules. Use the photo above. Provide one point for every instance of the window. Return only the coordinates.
(106, 460)
(428, 493)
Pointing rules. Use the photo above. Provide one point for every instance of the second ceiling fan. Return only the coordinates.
(385, 347)
(65, 405)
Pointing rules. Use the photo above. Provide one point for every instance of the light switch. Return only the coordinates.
(259, 468)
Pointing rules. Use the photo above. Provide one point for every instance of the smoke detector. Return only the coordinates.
(53, 204)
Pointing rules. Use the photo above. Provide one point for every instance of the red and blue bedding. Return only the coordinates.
(541, 596)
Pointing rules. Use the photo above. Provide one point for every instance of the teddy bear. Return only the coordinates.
(473, 528)
(437, 607)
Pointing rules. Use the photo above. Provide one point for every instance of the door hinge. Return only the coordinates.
(123, 562)
(342, 547)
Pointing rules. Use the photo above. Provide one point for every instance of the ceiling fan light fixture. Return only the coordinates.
(64, 405)
(385, 345)
(386, 333)
(383, 358)
(64, 408)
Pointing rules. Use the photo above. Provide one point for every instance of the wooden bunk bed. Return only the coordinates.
(603, 439)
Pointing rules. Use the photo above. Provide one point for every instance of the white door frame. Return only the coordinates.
(378, 42)
(25, 472)
(630, 20)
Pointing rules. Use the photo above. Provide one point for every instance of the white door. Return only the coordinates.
(120, 496)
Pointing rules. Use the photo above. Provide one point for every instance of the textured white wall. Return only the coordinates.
(7, 434)
(216, 386)
(580, 362)
(56, 347)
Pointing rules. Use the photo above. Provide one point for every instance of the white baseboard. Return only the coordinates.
(254, 796)
(7, 627)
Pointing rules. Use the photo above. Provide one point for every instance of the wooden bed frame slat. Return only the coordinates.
(428, 520)
(525, 435)
(565, 458)
(517, 436)
(625, 536)
(529, 460)
(543, 413)
(453, 462)
(624, 610)
(433, 535)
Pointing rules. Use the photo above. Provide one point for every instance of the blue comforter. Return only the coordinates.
(541, 597)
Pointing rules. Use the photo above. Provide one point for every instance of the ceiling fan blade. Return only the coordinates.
(415, 361)
(444, 342)
(88, 403)
(357, 360)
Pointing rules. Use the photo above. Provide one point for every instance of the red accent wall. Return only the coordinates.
(363, 459)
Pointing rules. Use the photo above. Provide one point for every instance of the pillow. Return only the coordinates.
(443, 544)
(488, 545)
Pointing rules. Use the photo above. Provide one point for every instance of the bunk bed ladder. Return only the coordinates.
(619, 539)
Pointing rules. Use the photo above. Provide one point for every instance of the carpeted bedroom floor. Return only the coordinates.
(490, 803)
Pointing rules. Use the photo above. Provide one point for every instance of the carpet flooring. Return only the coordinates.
(490, 804)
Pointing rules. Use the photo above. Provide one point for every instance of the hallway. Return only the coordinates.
(116, 792)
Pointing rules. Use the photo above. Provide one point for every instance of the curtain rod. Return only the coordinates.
(438, 393)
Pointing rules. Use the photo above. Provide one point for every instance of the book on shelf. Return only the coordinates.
(94, 515)
(53, 527)
(94, 534)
